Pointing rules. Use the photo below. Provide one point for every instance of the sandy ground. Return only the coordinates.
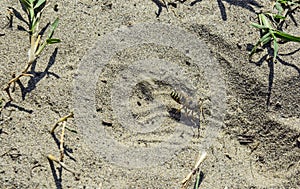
(270, 158)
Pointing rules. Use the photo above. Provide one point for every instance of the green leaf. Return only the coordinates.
(263, 40)
(259, 26)
(52, 41)
(264, 21)
(279, 7)
(31, 14)
(196, 185)
(40, 49)
(49, 40)
(34, 23)
(53, 27)
(277, 16)
(39, 3)
(26, 4)
(286, 36)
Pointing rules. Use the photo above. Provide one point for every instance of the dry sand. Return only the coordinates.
(270, 160)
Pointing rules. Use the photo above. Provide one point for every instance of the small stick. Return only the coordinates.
(185, 181)
(61, 146)
(13, 81)
(71, 115)
(53, 158)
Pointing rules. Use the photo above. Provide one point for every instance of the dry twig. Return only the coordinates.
(187, 179)
(65, 118)
(53, 158)
(61, 146)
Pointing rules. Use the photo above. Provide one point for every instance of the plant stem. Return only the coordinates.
(71, 115)
(53, 158)
(61, 146)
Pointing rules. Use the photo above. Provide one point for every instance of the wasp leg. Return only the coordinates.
(179, 109)
(201, 113)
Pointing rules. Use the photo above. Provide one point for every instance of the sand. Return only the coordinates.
(115, 68)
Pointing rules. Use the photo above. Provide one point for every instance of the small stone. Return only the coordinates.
(107, 122)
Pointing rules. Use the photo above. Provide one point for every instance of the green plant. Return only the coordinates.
(34, 10)
(270, 24)
(286, 5)
(198, 180)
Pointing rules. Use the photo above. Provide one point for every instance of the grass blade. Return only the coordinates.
(286, 36)
(264, 21)
(275, 16)
(259, 26)
(263, 40)
(39, 3)
(196, 186)
(31, 14)
(53, 27)
(266, 39)
(279, 7)
(49, 40)
(26, 4)
(52, 41)
(40, 49)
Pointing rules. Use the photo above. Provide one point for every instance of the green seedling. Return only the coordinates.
(282, 5)
(285, 5)
(34, 10)
(269, 33)
(283, 8)
(271, 25)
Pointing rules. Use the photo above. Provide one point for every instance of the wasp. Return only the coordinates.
(189, 106)
(186, 103)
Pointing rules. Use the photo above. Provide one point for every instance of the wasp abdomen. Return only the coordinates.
(176, 97)
(180, 99)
